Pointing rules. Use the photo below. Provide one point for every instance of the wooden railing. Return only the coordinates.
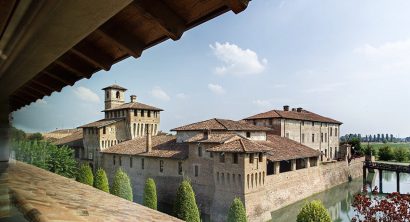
(387, 166)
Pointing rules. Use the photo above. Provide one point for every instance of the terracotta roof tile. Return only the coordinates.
(114, 86)
(212, 138)
(101, 123)
(75, 139)
(164, 146)
(134, 105)
(221, 124)
(282, 148)
(240, 145)
(303, 115)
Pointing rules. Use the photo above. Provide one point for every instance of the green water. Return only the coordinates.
(338, 200)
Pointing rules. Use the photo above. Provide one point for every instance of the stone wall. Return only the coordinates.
(286, 188)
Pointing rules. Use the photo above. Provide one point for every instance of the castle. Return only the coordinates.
(223, 158)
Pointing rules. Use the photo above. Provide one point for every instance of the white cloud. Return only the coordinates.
(158, 93)
(86, 94)
(182, 96)
(237, 61)
(41, 101)
(215, 88)
(388, 49)
(262, 103)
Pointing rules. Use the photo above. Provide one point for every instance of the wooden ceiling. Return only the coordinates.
(139, 26)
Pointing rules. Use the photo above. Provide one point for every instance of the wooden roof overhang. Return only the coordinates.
(139, 26)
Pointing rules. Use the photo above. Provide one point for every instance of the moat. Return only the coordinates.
(338, 200)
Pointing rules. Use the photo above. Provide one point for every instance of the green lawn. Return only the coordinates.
(394, 146)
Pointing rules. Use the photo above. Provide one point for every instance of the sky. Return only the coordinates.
(348, 60)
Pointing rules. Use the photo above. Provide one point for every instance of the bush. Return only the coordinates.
(358, 149)
(17, 134)
(369, 150)
(185, 207)
(85, 175)
(121, 186)
(101, 181)
(385, 153)
(400, 154)
(150, 194)
(36, 136)
(237, 211)
(61, 161)
(313, 212)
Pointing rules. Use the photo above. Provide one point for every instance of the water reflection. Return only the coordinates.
(338, 200)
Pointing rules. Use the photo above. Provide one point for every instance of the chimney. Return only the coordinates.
(286, 108)
(149, 138)
(299, 109)
(133, 98)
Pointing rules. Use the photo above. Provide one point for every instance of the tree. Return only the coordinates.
(35, 136)
(385, 153)
(355, 143)
(237, 211)
(369, 150)
(17, 134)
(185, 207)
(85, 175)
(101, 181)
(150, 194)
(121, 186)
(313, 212)
(400, 154)
(61, 160)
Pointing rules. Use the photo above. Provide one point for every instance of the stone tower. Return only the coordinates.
(114, 96)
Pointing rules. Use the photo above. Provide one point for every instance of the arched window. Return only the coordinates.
(135, 127)
(117, 94)
(108, 94)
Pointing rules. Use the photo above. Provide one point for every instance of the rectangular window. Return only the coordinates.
(303, 138)
(251, 157)
(142, 163)
(113, 160)
(196, 170)
(331, 131)
(335, 131)
(271, 122)
(211, 154)
(130, 162)
(135, 112)
(235, 158)
(326, 137)
(303, 123)
(248, 134)
(119, 160)
(321, 137)
(142, 113)
(313, 123)
(149, 113)
(180, 168)
(222, 157)
(260, 157)
(90, 156)
(161, 166)
(313, 137)
(199, 151)
(104, 130)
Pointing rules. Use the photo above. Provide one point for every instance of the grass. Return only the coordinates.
(394, 146)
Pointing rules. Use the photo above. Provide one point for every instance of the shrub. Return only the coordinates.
(385, 153)
(101, 181)
(369, 150)
(185, 207)
(400, 154)
(313, 212)
(237, 211)
(61, 161)
(36, 136)
(17, 134)
(85, 175)
(121, 186)
(150, 194)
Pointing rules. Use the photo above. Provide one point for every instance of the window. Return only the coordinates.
(321, 137)
(313, 137)
(142, 113)
(251, 157)
(90, 156)
(142, 163)
(149, 113)
(135, 112)
(108, 94)
(335, 131)
(331, 131)
(313, 123)
(326, 137)
(260, 157)
(235, 158)
(161, 166)
(303, 138)
(104, 130)
(199, 151)
(119, 160)
(271, 122)
(303, 123)
(222, 157)
(117, 95)
(130, 161)
(206, 134)
(180, 168)
(113, 160)
(196, 170)
(211, 154)
(248, 134)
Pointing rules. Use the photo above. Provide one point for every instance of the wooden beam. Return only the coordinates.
(39, 89)
(92, 55)
(237, 6)
(72, 69)
(21, 99)
(29, 93)
(16, 103)
(59, 78)
(158, 11)
(48, 86)
(124, 40)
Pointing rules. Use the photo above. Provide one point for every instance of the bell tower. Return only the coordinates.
(114, 96)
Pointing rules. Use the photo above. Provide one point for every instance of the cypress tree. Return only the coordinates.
(121, 186)
(150, 194)
(101, 181)
(314, 212)
(185, 207)
(237, 211)
(85, 175)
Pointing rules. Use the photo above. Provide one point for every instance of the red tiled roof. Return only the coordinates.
(212, 138)
(240, 145)
(134, 105)
(164, 146)
(101, 123)
(221, 124)
(302, 115)
(75, 139)
(114, 86)
(282, 148)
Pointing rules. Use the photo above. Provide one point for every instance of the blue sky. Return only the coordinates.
(349, 60)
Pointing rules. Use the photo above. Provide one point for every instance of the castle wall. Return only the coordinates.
(286, 188)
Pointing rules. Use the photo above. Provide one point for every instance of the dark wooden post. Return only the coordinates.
(380, 181)
(4, 130)
(364, 175)
(398, 181)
